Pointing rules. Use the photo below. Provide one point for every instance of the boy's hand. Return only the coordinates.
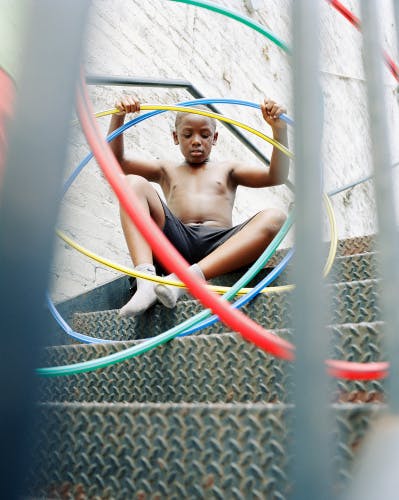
(271, 112)
(127, 105)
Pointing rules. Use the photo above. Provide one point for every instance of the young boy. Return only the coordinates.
(200, 195)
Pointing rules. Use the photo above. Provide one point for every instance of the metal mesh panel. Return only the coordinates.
(203, 416)
(186, 451)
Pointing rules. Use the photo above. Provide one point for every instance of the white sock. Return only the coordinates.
(168, 295)
(144, 296)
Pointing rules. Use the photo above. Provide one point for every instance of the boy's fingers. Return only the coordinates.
(275, 110)
(263, 109)
(119, 105)
(128, 105)
(271, 110)
(134, 104)
(278, 110)
(269, 106)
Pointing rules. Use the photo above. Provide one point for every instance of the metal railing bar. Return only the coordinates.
(387, 235)
(29, 201)
(311, 471)
(170, 83)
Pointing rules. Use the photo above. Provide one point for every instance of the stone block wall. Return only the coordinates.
(222, 58)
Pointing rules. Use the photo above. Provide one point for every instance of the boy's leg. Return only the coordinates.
(140, 251)
(243, 248)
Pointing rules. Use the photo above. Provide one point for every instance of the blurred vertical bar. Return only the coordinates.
(11, 28)
(396, 14)
(312, 456)
(388, 241)
(37, 147)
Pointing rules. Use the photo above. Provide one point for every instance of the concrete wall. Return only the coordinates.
(222, 58)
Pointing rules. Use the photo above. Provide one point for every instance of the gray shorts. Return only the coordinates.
(194, 242)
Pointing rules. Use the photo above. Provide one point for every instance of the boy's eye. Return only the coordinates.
(186, 135)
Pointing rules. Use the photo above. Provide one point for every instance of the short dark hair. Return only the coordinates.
(181, 114)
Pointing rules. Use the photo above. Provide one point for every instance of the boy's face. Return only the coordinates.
(195, 134)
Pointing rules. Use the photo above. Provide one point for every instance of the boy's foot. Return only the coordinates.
(169, 295)
(145, 295)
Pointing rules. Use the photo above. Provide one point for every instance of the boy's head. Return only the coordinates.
(180, 115)
(196, 135)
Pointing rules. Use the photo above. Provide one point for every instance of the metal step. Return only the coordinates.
(345, 247)
(204, 416)
(345, 268)
(116, 293)
(205, 368)
(174, 451)
(352, 302)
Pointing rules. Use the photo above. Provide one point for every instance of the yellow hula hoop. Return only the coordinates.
(209, 114)
(215, 288)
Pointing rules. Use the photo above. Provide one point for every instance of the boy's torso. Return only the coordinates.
(200, 194)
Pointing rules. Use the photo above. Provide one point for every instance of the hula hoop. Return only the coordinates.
(202, 100)
(331, 256)
(210, 114)
(215, 288)
(167, 254)
(279, 43)
(339, 369)
(236, 289)
(335, 368)
(203, 319)
(7, 95)
(250, 104)
(68, 330)
(157, 279)
(355, 21)
(240, 18)
(143, 117)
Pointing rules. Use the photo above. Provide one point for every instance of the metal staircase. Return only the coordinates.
(207, 415)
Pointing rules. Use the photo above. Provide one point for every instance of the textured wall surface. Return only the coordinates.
(222, 58)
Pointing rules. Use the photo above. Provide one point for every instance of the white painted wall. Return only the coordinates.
(222, 58)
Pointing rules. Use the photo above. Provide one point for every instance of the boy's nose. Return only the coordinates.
(196, 139)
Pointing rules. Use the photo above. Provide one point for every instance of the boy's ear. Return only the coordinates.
(175, 137)
(215, 137)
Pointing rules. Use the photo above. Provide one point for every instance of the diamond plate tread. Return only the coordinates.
(215, 368)
(197, 419)
(357, 244)
(345, 247)
(355, 268)
(346, 268)
(121, 451)
(206, 368)
(352, 302)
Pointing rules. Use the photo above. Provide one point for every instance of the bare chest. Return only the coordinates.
(191, 182)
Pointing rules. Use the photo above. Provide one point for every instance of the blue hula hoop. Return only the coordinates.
(213, 319)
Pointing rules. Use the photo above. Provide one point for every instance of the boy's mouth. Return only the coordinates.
(196, 152)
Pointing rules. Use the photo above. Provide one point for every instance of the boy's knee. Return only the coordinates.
(137, 182)
(278, 217)
(273, 219)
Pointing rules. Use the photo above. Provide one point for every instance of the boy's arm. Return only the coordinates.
(277, 173)
(149, 169)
